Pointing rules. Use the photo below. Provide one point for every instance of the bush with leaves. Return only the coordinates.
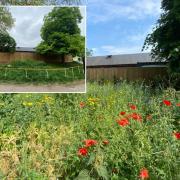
(7, 43)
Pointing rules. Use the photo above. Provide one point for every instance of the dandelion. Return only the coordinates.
(90, 142)
(82, 152)
(177, 135)
(167, 103)
(144, 174)
(133, 107)
(123, 122)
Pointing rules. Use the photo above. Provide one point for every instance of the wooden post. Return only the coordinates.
(47, 75)
(26, 73)
(5, 72)
(72, 72)
(65, 72)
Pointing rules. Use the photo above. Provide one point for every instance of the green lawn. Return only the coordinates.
(29, 71)
(118, 132)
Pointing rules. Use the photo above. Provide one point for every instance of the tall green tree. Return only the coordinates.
(61, 33)
(7, 43)
(40, 2)
(165, 38)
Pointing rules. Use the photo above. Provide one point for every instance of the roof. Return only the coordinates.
(123, 60)
(25, 49)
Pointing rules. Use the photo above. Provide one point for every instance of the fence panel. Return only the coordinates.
(129, 73)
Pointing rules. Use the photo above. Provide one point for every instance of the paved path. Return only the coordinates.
(76, 86)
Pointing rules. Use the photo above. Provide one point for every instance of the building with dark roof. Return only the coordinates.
(25, 49)
(125, 66)
(123, 60)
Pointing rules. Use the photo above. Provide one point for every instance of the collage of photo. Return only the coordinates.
(89, 89)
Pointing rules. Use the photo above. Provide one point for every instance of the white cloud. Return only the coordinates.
(105, 10)
(113, 50)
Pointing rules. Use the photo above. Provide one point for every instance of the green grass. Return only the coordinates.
(23, 75)
(40, 134)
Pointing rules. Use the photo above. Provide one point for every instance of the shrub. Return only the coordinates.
(7, 43)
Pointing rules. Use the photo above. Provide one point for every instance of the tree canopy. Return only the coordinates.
(7, 43)
(165, 38)
(61, 33)
(6, 20)
(63, 20)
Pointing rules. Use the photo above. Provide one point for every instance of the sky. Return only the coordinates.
(28, 22)
(120, 26)
(113, 26)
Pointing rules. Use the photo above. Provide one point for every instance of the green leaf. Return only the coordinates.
(83, 175)
(102, 172)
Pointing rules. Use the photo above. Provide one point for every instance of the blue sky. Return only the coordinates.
(120, 26)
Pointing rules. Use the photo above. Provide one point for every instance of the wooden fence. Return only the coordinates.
(6, 58)
(128, 73)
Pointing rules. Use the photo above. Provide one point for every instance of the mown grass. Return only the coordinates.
(34, 75)
(41, 134)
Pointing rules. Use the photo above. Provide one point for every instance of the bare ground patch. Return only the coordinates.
(75, 86)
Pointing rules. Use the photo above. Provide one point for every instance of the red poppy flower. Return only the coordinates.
(82, 152)
(90, 142)
(123, 122)
(136, 116)
(81, 104)
(178, 104)
(167, 103)
(133, 107)
(177, 135)
(105, 142)
(149, 117)
(122, 113)
(144, 174)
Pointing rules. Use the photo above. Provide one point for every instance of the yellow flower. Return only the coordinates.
(28, 104)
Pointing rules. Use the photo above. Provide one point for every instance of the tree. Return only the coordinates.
(7, 43)
(61, 34)
(89, 52)
(6, 20)
(63, 20)
(40, 2)
(165, 38)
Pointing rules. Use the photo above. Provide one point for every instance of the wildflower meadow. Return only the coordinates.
(120, 132)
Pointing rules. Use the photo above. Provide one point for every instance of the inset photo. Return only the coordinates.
(42, 49)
